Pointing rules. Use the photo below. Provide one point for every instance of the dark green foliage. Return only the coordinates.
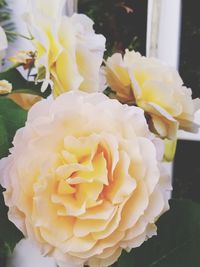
(186, 182)
(177, 243)
(190, 43)
(186, 165)
(9, 234)
(12, 117)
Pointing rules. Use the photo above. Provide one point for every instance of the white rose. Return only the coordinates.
(67, 47)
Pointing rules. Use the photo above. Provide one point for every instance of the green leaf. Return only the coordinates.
(177, 243)
(12, 117)
(9, 234)
(21, 85)
(4, 143)
(5, 253)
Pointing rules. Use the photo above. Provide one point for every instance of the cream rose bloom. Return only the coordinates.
(156, 88)
(67, 47)
(84, 179)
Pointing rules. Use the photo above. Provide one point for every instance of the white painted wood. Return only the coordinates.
(169, 32)
(163, 30)
(153, 21)
(71, 7)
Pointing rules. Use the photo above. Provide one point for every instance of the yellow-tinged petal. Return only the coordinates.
(64, 188)
(77, 245)
(134, 207)
(66, 68)
(123, 184)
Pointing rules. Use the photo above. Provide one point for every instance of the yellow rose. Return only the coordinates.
(5, 87)
(67, 47)
(156, 88)
(84, 179)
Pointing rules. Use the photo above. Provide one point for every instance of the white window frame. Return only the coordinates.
(71, 7)
(163, 30)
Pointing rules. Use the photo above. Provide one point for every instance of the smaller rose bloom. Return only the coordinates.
(67, 47)
(156, 88)
(5, 87)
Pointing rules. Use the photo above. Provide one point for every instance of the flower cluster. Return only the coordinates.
(85, 177)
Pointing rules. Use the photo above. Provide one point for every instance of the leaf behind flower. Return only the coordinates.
(12, 117)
